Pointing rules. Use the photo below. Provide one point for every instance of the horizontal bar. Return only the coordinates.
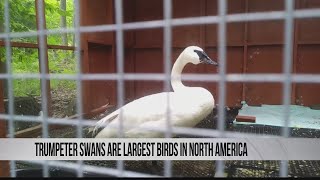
(242, 17)
(269, 78)
(35, 45)
(308, 42)
(61, 47)
(176, 130)
(181, 46)
(230, 44)
(92, 169)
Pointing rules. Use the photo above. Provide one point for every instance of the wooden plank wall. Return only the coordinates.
(307, 54)
(253, 47)
(97, 53)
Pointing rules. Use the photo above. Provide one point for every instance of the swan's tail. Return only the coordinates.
(104, 121)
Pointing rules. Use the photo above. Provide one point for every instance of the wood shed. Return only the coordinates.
(252, 48)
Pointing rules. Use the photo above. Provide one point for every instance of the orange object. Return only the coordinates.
(251, 119)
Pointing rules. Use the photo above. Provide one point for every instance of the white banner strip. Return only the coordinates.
(160, 149)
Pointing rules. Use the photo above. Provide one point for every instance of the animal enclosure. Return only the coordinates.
(252, 48)
(117, 51)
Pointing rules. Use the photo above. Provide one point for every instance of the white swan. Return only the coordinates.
(188, 105)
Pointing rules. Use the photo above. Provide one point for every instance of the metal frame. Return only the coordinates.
(167, 23)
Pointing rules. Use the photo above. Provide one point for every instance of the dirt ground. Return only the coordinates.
(63, 103)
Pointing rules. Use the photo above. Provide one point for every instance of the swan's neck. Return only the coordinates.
(176, 74)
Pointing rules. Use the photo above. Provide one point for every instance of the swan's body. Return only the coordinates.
(187, 109)
(188, 105)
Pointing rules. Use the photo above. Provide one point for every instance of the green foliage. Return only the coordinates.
(53, 14)
(22, 17)
(25, 60)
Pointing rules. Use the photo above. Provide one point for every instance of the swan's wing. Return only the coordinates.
(151, 111)
(106, 120)
(131, 109)
(143, 129)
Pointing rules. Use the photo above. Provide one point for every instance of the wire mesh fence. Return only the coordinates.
(221, 19)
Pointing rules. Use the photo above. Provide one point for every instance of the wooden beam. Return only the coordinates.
(35, 45)
(250, 119)
(4, 169)
(4, 165)
(29, 132)
(295, 55)
(245, 53)
(85, 63)
(47, 82)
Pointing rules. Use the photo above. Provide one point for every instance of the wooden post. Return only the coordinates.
(4, 165)
(45, 56)
(295, 56)
(245, 52)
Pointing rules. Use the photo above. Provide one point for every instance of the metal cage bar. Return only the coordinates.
(222, 11)
(287, 69)
(286, 78)
(256, 16)
(232, 77)
(78, 74)
(9, 81)
(120, 72)
(43, 64)
(167, 11)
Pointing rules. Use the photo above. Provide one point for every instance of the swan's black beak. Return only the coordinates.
(208, 60)
(204, 58)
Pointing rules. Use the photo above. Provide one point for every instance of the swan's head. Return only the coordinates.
(196, 55)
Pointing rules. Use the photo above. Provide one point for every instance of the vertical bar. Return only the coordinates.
(295, 53)
(9, 80)
(287, 68)
(222, 73)
(79, 71)
(202, 28)
(4, 165)
(120, 70)
(86, 99)
(167, 67)
(245, 52)
(43, 69)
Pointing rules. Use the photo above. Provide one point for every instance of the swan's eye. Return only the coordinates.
(202, 55)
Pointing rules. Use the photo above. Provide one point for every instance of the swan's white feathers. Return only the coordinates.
(150, 111)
